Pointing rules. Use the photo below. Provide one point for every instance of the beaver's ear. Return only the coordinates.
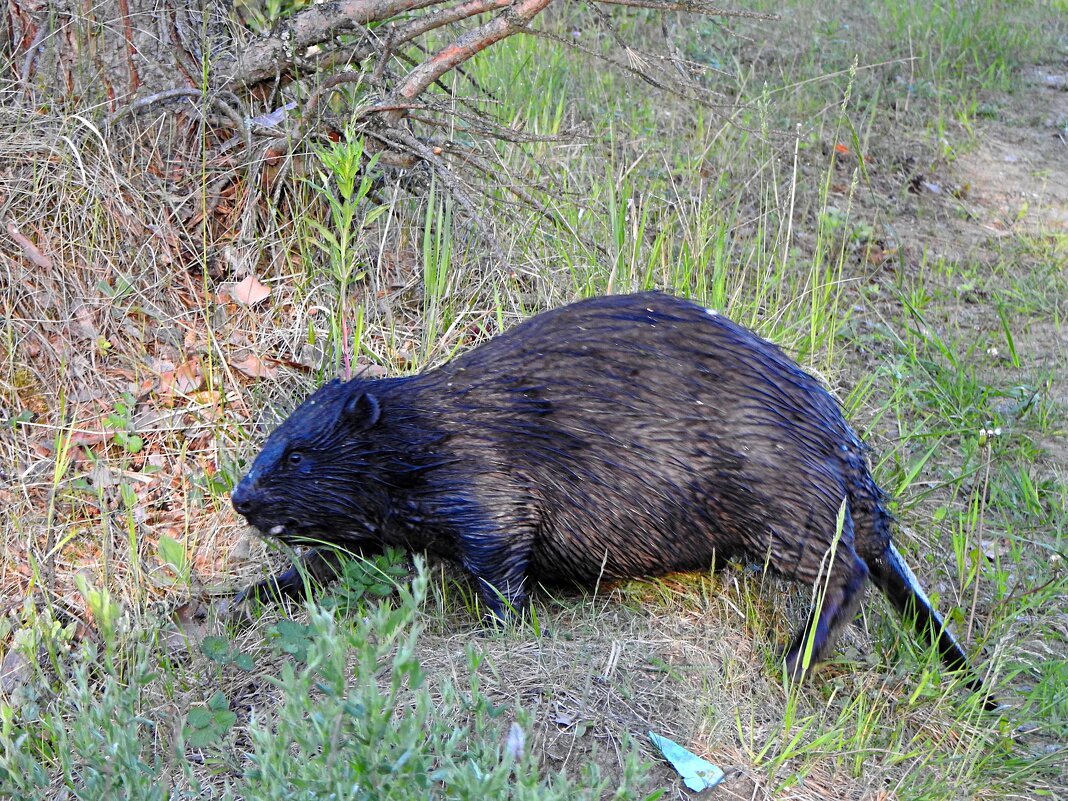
(361, 411)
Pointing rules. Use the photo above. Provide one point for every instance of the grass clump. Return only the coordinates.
(354, 715)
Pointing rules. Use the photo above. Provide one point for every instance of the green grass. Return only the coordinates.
(325, 737)
(944, 356)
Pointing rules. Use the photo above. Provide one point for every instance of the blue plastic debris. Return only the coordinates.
(698, 774)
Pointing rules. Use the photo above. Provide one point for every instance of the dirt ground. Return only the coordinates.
(1017, 177)
(1015, 181)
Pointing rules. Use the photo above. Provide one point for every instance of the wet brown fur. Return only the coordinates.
(619, 436)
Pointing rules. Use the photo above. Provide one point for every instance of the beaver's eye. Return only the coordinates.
(296, 457)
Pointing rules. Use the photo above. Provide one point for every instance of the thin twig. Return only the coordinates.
(476, 123)
(159, 97)
(526, 199)
(31, 54)
(405, 139)
(699, 94)
(329, 85)
(694, 7)
(437, 19)
(512, 20)
(240, 122)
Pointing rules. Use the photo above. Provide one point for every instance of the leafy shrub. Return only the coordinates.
(357, 718)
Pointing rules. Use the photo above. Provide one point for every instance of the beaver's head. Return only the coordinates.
(327, 472)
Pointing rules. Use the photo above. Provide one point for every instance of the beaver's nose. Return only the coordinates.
(243, 499)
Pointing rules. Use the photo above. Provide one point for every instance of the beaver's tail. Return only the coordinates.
(892, 575)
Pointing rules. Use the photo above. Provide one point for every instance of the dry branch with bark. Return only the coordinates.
(362, 65)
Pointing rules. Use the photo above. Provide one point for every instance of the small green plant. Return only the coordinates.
(367, 579)
(93, 734)
(338, 727)
(292, 638)
(206, 724)
(173, 554)
(38, 631)
(357, 711)
(120, 420)
(221, 652)
(104, 609)
(344, 184)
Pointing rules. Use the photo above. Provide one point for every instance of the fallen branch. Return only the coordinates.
(277, 52)
(370, 72)
(513, 19)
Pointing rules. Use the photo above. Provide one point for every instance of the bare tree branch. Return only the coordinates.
(265, 57)
(438, 19)
(267, 95)
(515, 18)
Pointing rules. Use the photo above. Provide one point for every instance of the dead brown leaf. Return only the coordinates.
(84, 325)
(255, 367)
(188, 378)
(14, 672)
(190, 626)
(90, 438)
(30, 250)
(877, 255)
(250, 291)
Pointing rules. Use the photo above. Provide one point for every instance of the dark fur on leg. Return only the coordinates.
(841, 599)
(316, 567)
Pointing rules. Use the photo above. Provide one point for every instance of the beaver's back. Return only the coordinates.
(649, 433)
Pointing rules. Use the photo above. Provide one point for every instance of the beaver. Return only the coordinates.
(620, 436)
